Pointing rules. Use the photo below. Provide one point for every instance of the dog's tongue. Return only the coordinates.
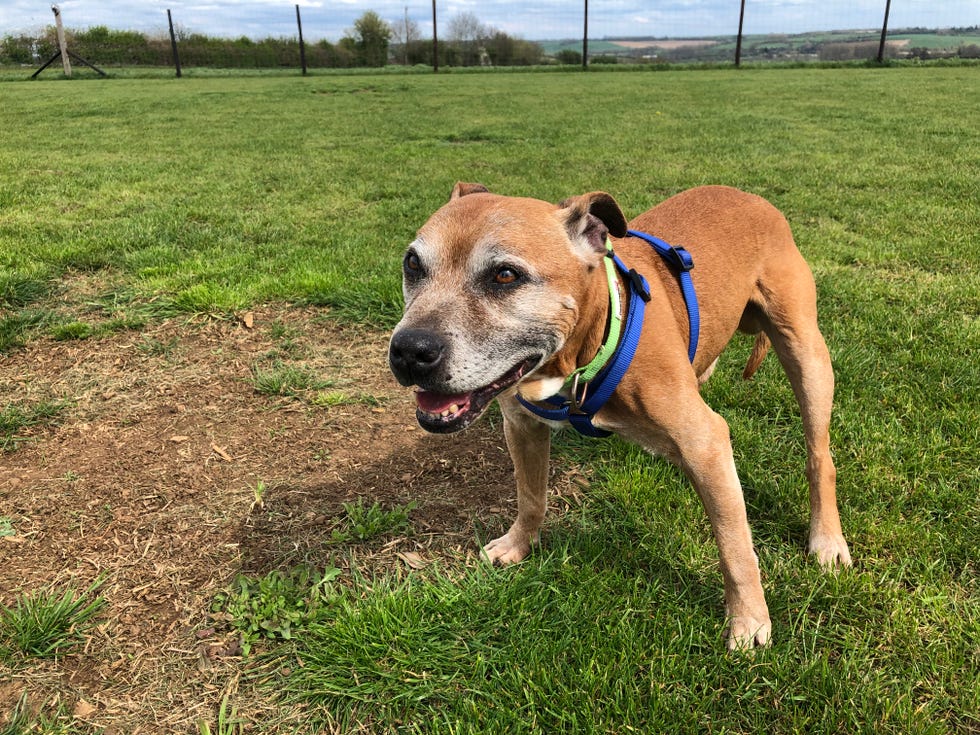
(439, 402)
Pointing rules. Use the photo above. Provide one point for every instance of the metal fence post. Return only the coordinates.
(173, 42)
(302, 48)
(585, 38)
(884, 33)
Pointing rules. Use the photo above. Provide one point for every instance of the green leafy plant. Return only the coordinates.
(47, 623)
(275, 606)
(258, 493)
(366, 522)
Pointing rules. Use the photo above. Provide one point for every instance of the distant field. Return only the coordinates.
(798, 44)
(669, 43)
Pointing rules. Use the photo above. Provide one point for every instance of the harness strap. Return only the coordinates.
(588, 397)
(682, 261)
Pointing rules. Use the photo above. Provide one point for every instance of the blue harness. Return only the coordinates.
(587, 399)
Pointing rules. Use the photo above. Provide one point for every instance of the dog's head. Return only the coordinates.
(494, 289)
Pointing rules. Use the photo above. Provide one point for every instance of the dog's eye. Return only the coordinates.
(412, 265)
(506, 276)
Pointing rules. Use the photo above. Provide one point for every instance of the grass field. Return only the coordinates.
(214, 195)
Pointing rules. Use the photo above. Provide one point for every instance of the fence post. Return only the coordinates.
(884, 33)
(173, 42)
(435, 41)
(66, 63)
(302, 49)
(738, 43)
(585, 39)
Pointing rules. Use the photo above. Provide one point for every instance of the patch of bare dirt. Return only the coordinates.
(147, 482)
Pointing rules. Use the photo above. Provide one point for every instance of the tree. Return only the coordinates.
(465, 32)
(409, 46)
(371, 37)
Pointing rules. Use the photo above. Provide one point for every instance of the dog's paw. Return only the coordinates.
(745, 633)
(830, 551)
(510, 548)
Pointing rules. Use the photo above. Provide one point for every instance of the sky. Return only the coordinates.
(530, 19)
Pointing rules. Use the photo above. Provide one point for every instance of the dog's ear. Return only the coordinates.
(590, 217)
(462, 189)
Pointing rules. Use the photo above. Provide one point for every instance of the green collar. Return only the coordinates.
(586, 373)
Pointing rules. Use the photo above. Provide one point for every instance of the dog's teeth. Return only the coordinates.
(453, 409)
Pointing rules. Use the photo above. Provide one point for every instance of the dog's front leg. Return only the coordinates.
(694, 437)
(707, 459)
(529, 443)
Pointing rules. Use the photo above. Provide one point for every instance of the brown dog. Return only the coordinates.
(506, 296)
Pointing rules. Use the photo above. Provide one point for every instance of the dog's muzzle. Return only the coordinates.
(416, 355)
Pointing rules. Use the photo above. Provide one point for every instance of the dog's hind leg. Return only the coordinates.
(529, 444)
(790, 320)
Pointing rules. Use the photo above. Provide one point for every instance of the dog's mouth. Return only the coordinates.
(443, 413)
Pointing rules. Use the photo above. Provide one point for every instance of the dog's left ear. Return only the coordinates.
(590, 217)
(462, 189)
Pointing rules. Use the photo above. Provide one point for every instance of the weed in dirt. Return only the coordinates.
(6, 527)
(15, 419)
(258, 493)
(276, 606)
(365, 523)
(47, 623)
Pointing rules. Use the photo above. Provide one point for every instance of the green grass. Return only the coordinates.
(16, 418)
(307, 190)
(47, 623)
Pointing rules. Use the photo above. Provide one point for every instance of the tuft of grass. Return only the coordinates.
(288, 380)
(227, 722)
(330, 398)
(48, 623)
(21, 289)
(72, 331)
(19, 719)
(18, 327)
(15, 419)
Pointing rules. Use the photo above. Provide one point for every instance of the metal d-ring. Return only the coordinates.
(574, 401)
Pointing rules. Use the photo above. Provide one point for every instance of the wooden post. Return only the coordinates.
(585, 38)
(435, 41)
(738, 43)
(884, 33)
(302, 48)
(62, 45)
(173, 42)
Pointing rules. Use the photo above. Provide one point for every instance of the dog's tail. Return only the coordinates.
(759, 350)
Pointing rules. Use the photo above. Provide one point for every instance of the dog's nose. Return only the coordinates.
(415, 354)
